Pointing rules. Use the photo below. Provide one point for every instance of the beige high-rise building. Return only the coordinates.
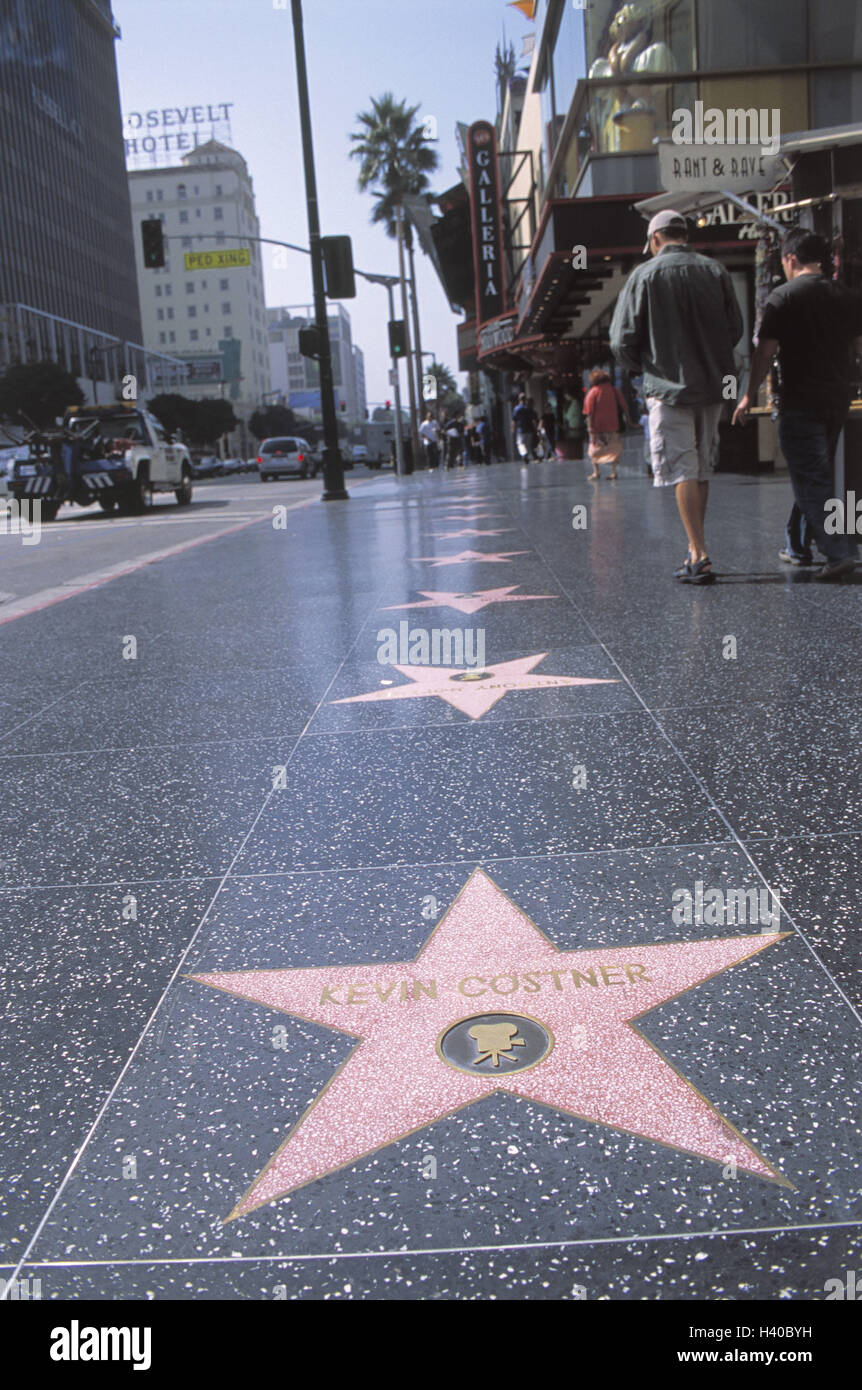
(213, 319)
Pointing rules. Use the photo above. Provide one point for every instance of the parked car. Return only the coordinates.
(288, 455)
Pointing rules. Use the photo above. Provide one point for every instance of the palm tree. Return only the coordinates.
(395, 162)
(449, 397)
(506, 65)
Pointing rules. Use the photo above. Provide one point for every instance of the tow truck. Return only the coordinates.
(116, 455)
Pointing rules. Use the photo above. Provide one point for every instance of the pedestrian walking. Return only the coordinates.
(811, 323)
(429, 433)
(453, 444)
(483, 436)
(525, 421)
(469, 442)
(549, 424)
(798, 538)
(677, 322)
(606, 413)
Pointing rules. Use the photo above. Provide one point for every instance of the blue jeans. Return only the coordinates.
(808, 441)
(798, 534)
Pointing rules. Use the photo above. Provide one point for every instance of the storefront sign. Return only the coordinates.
(717, 168)
(487, 220)
(203, 369)
(730, 216)
(195, 371)
(497, 335)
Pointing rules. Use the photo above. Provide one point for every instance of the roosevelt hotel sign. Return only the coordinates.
(157, 137)
(487, 220)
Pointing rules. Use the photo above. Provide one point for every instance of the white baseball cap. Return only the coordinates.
(663, 220)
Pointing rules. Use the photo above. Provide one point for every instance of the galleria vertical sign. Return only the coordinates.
(487, 220)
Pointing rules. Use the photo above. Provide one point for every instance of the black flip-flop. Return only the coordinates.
(697, 574)
(685, 568)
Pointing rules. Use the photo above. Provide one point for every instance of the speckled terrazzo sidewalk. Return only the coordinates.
(335, 970)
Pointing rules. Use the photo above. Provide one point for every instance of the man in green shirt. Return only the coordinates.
(677, 322)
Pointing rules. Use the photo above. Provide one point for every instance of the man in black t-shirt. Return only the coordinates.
(811, 323)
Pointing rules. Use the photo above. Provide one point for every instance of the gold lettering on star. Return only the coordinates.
(521, 981)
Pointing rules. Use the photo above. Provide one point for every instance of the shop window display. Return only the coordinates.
(629, 42)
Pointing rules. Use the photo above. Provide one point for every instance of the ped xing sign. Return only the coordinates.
(217, 260)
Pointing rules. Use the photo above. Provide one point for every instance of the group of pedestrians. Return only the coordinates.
(676, 323)
(455, 443)
(535, 436)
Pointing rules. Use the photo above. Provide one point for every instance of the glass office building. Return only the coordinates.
(65, 231)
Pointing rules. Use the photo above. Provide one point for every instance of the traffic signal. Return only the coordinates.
(344, 405)
(397, 338)
(154, 244)
(309, 342)
(338, 262)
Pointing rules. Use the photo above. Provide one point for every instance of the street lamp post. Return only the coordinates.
(93, 355)
(411, 377)
(390, 281)
(417, 331)
(333, 467)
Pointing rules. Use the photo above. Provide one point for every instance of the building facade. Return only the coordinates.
(583, 129)
(212, 319)
(297, 379)
(66, 229)
(68, 289)
(359, 379)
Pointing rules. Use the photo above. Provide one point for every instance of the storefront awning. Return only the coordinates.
(582, 248)
(452, 238)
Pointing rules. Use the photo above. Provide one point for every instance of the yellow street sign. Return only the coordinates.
(217, 260)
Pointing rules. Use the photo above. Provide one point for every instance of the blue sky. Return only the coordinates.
(435, 53)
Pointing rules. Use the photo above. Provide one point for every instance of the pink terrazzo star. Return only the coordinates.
(466, 557)
(470, 603)
(453, 535)
(471, 691)
(475, 514)
(486, 957)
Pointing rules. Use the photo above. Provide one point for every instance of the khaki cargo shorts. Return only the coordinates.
(683, 441)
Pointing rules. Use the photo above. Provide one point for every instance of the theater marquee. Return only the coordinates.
(487, 220)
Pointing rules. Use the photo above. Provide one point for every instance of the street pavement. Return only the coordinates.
(84, 543)
(335, 971)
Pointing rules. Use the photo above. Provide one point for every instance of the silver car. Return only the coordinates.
(288, 455)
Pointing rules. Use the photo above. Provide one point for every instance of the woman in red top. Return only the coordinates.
(604, 408)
